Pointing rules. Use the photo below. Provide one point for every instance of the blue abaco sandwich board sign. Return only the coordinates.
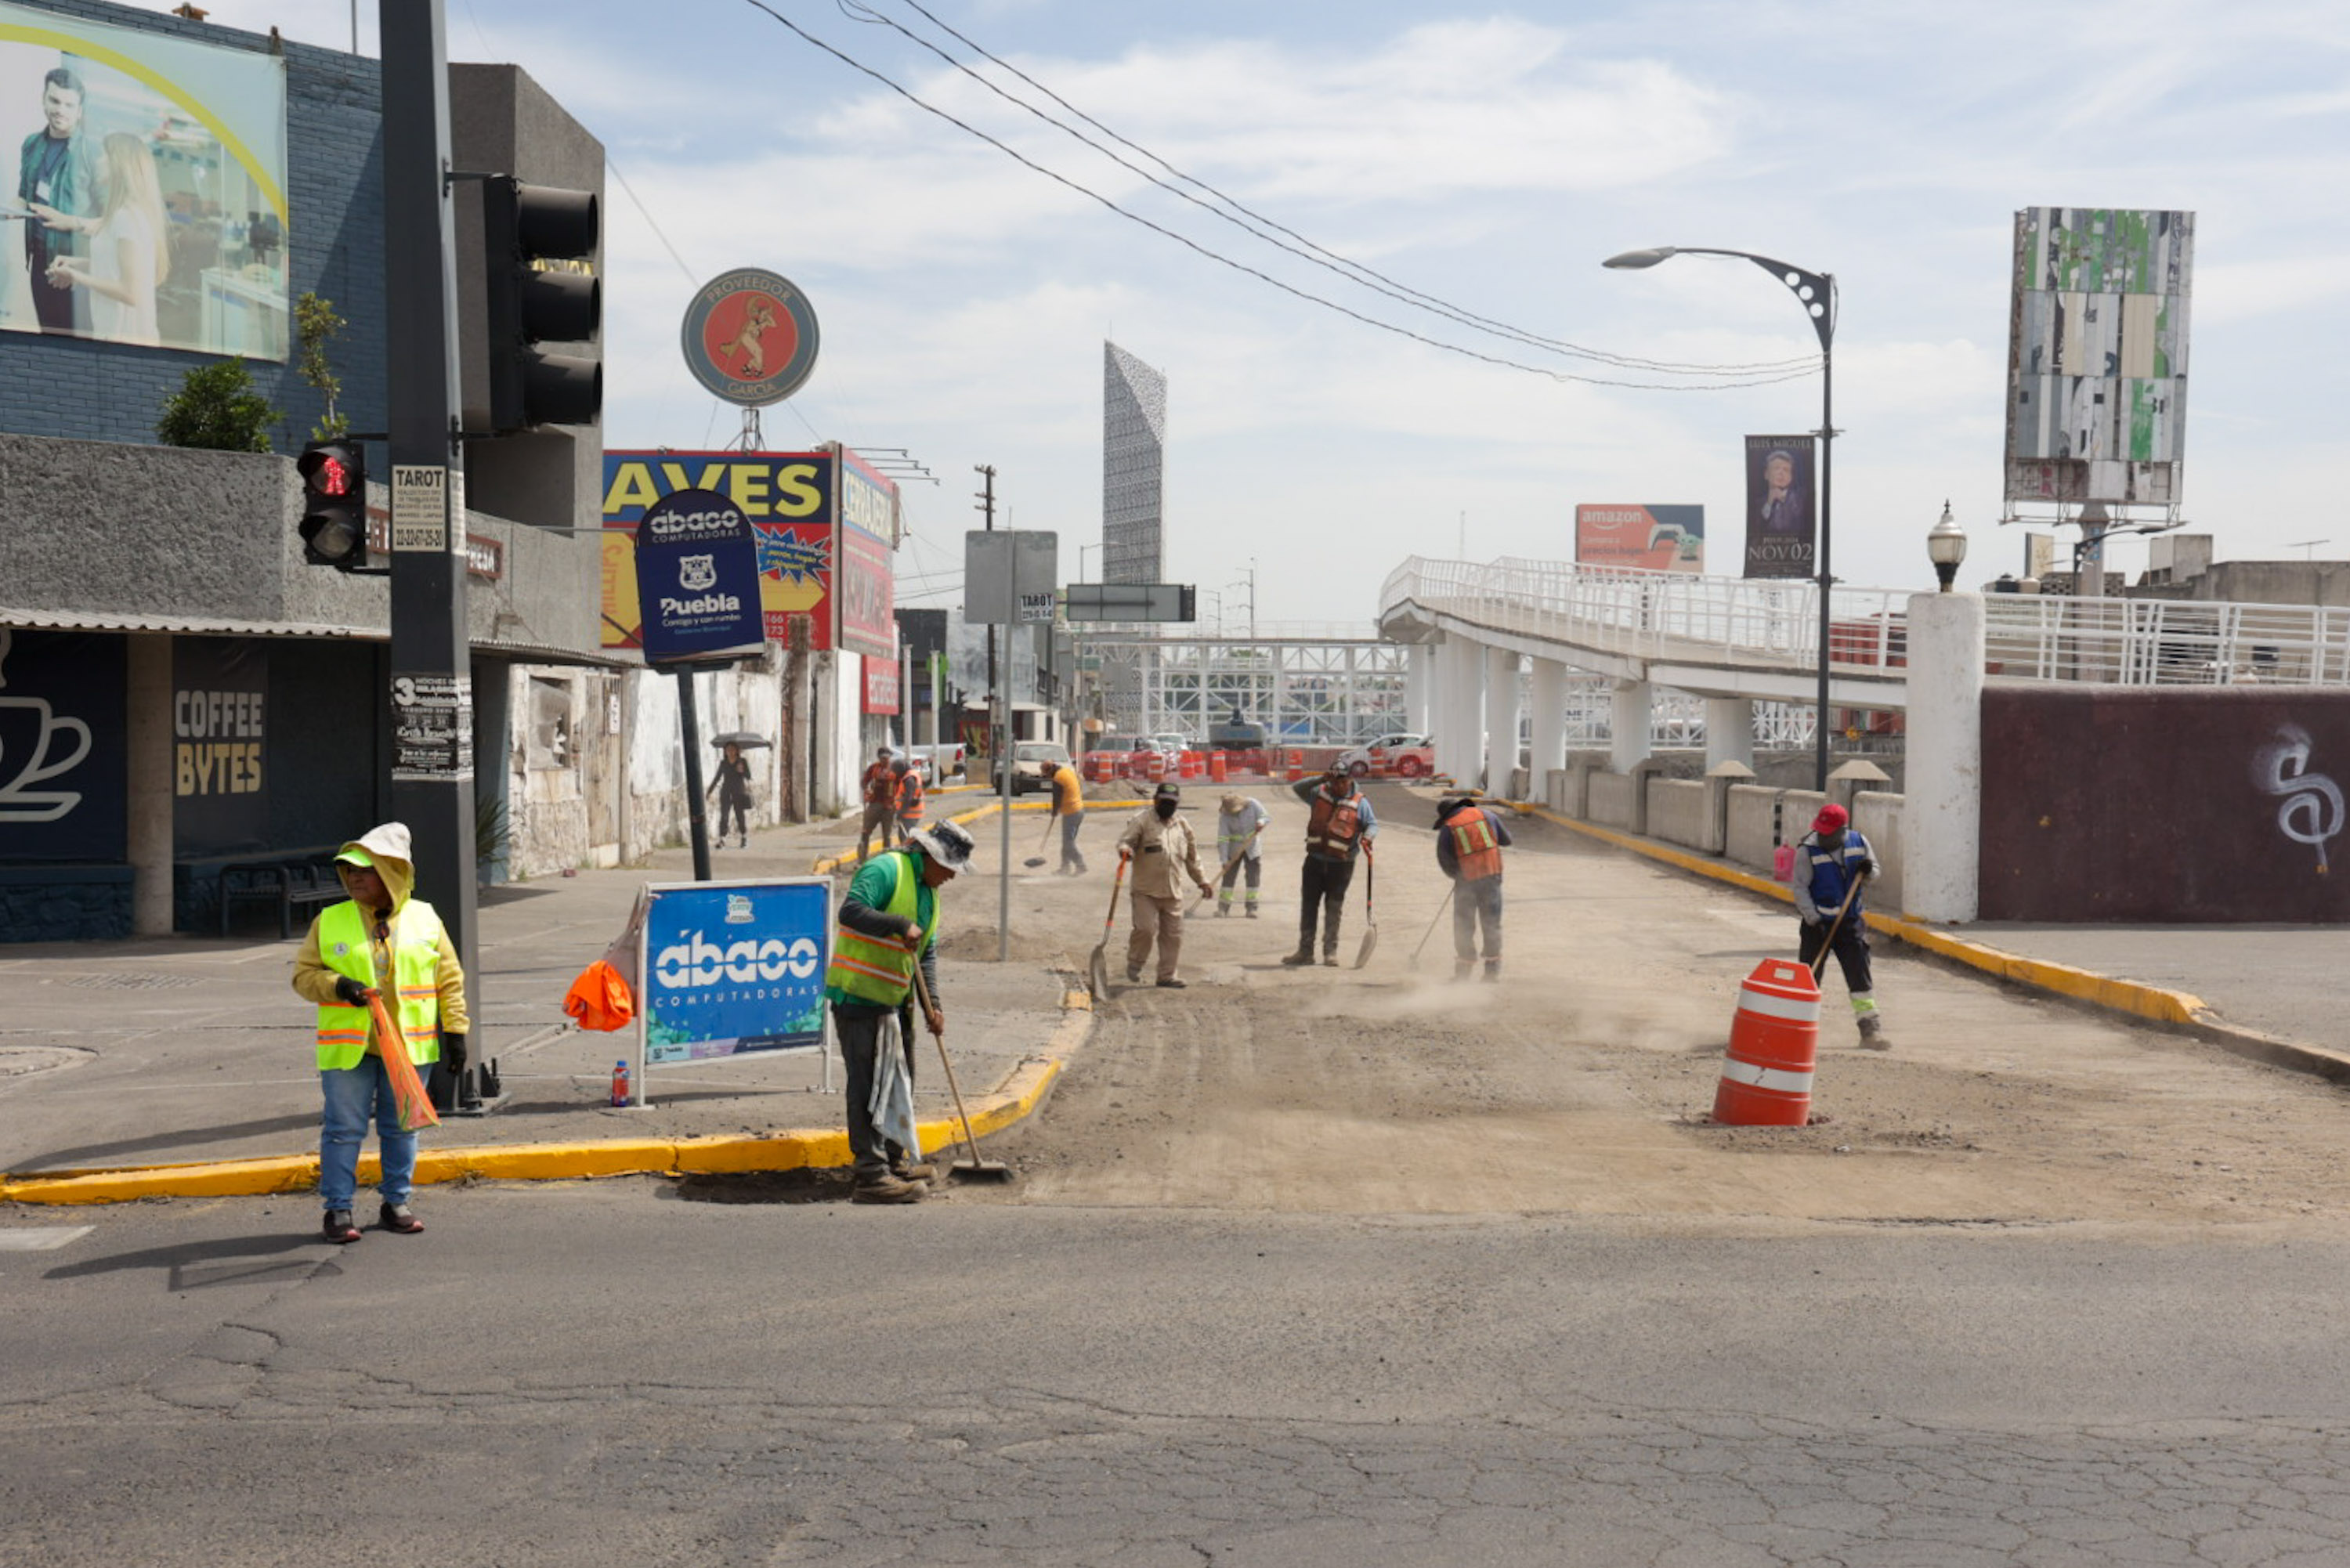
(730, 968)
(698, 579)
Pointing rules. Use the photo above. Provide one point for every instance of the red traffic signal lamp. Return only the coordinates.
(334, 503)
(539, 253)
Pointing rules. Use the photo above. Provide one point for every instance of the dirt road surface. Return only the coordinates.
(1583, 1082)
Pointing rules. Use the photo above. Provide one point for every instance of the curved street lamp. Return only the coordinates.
(1816, 293)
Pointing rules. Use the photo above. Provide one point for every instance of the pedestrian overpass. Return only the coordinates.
(1735, 642)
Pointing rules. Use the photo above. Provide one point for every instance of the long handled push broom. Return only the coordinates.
(974, 1168)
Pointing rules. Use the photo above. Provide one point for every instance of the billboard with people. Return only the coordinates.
(1781, 507)
(150, 198)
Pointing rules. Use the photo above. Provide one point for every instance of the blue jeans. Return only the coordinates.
(353, 1094)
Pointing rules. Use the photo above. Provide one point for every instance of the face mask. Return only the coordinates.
(1165, 808)
(1832, 840)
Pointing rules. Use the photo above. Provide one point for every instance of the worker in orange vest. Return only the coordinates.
(1468, 842)
(879, 789)
(907, 794)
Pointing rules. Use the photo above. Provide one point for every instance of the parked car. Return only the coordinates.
(944, 761)
(1173, 744)
(1033, 762)
(1410, 755)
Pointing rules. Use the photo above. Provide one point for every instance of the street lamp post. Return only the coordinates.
(1816, 293)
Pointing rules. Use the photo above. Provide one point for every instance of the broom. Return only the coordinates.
(416, 1111)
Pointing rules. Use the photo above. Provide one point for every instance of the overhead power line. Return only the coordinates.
(1256, 225)
(1802, 368)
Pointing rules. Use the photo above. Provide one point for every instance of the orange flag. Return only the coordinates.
(416, 1111)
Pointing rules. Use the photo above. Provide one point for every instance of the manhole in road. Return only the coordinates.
(23, 1061)
(130, 979)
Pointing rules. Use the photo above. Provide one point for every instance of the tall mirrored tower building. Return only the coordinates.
(1134, 453)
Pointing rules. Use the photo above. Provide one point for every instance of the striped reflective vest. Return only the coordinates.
(881, 970)
(910, 794)
(1332, 826)
(1477, 851)
(415, 944)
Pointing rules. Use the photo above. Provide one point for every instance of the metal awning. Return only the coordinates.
(221, 625)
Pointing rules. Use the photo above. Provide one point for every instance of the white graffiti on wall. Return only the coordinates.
(38, 731)
(2312, 810)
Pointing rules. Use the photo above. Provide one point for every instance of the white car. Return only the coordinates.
(1407, 752)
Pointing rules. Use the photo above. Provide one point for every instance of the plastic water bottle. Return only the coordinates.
(620, 1083)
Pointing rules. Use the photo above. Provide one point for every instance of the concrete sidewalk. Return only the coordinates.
(182, 1065)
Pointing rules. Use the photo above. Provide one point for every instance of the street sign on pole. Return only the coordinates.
(1008, 572)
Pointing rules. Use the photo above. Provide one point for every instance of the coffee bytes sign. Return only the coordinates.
(221, 717)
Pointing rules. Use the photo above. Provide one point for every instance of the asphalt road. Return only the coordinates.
(608, 1374)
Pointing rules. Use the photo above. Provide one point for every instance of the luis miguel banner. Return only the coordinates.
(1781, 507)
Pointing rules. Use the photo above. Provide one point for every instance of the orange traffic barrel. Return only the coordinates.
(1296, 766)
(1218, 768)
(1156, 771)
(1378, 762)
(1766, 1077)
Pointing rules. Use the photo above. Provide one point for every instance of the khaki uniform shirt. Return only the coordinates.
(1166, 856)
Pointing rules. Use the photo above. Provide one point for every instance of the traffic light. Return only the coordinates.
(528, 235)
(334, 503)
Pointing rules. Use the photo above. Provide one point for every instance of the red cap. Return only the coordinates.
(1830, 818)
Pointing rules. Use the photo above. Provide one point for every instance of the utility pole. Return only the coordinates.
(431, 655)
(999, 748)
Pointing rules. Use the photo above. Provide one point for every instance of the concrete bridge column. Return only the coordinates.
(1546, 691)
(1628, 725)
(1420, 675)
(1729, 732)
(1459, 711)
(1942, 817)
(1502, 711)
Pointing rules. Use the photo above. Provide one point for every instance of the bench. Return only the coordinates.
(289, 884)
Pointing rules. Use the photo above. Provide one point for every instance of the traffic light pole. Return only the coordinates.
(432, 663)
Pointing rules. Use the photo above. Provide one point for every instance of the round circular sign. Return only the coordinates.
(749, 336)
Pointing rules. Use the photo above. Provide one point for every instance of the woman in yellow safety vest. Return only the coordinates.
(380, 942)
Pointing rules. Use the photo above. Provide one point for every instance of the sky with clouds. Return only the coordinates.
(1485, 158)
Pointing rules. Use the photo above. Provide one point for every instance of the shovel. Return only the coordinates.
(1370, 912)
(1449, 892)
(1226, 869)
(1828, 946)
(1097, 965)
(1038, 858)
(975, 1168)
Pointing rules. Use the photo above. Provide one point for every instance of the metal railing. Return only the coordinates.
(1774, 624)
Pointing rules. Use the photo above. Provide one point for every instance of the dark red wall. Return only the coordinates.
(2181, 805)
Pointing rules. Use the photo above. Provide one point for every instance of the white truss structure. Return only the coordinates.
(1313, 690)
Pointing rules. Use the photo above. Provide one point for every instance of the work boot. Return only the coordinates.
(1330, 958)
(887, 1189)
(1463, 968)
(1171, 984)
(338, 1228)
(1493, 971)
(1872, 1033)
(1223, 909)
(1133, 977)
(1252, 907)
(915, 1170)
(1302, 956)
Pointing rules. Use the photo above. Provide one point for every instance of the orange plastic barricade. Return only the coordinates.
(1218, 768)
(1766, 1077)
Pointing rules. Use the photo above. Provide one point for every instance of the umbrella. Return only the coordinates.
(739, 738)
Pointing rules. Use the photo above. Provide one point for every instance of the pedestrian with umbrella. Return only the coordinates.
(733, 788)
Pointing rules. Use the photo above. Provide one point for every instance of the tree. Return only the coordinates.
(316, 324)
(217, 409)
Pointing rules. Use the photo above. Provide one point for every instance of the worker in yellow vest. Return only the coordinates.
(1468, 842)
(888, 922)
(381, 941)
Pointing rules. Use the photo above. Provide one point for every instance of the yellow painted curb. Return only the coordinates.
(1009, 1103)
(831, 863)
(2143, 1000)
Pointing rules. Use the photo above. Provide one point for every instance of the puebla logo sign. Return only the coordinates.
(749, 336)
